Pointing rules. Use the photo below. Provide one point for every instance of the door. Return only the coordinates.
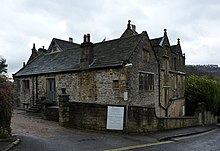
(51, 88)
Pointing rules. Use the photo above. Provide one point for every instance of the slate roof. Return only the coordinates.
(106, 54)
(160, 41)
(156, 41)
(65, 44)
(176, 49)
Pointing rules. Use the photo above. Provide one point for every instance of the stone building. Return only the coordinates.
(171, 63)
(150, 70)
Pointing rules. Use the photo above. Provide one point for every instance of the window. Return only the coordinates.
(146, 81)
(115, 87)
(26, 84)
(146, 55)
(115, 84)
(174, 63)
(166, 95)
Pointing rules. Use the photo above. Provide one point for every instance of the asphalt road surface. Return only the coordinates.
(42, 135)
(209, 141)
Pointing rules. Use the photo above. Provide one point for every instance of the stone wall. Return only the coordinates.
(50, 113)
(140, 119)
(23, 96)
(88, 116)
(144, 61)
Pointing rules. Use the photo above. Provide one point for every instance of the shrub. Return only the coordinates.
(202, 91)
(5, 101)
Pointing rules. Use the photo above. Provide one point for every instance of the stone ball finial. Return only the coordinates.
(129, 24)
(165, 31)
(178, 41)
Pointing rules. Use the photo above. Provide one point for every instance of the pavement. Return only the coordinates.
(157, 136)
(7, 144)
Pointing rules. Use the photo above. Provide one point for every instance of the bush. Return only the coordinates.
(5, 106)
(4, 133)
(202, 92)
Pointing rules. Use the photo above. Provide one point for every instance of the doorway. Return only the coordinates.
(51, 89)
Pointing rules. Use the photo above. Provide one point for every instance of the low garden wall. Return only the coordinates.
(5, 122)
(130, 119)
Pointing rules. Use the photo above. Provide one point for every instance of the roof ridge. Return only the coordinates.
(66, 41)
(117, 39)
(157, 38)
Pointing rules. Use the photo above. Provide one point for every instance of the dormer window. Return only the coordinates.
(55, 49)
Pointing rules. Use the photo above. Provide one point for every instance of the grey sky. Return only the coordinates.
(24, 22)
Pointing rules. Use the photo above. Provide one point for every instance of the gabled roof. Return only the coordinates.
(106, 54)
(63, 45)
(156, 41)
(176, 49)
(161, 41)
(130, 31)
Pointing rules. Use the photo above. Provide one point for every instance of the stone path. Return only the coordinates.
(31, 123)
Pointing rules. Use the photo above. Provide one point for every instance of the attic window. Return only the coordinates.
(145, 55)
(55, 48)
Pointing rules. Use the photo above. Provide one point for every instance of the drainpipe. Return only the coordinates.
(158, 63)
(36, 85)
(33, 91)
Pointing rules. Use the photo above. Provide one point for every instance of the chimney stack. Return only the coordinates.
(133, 28)
(87, 54)
(88, 37)
(70, 39)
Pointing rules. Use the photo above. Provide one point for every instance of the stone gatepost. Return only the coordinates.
(64, 108)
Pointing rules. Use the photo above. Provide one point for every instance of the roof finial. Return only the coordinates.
(33, 46)
(178, 41)
(165, 32)
(129, 24)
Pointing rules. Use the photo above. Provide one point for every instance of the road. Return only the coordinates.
(42, 135)
(203, 142)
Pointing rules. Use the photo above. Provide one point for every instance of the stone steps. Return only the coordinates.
(34, 108)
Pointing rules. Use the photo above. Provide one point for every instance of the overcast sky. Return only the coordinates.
(24, 22)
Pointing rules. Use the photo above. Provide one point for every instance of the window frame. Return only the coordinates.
(115, 85)
(26, 84)
(146, 81)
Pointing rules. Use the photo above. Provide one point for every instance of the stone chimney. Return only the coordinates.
(133, 28)
(70, 39)
(42, 50)
(87, 54)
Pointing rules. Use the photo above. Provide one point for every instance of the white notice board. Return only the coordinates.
(115, 118)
